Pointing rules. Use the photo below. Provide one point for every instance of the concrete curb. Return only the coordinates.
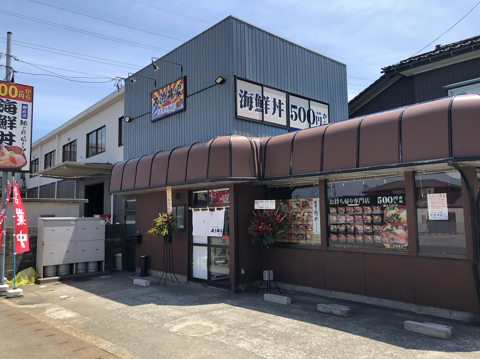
(279, 299)
(429, 329)
(335, 309)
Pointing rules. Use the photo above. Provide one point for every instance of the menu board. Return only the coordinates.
(368, 221)
(303, 220)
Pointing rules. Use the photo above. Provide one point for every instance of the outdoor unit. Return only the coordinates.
(68, 245)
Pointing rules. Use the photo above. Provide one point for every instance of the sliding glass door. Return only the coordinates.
(210, 254)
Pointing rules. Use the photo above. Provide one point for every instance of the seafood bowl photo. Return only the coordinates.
(394, 235)
(12, 157)
(396, 215)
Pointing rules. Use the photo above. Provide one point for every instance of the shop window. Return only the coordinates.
(34, 166)
(96, 142)
(302, 208)
(211, 197)
(49, 160)
(70, 151)
(179, 212)
(369, 213)
(440, 219)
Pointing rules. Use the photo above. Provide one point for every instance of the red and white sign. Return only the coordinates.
(107, 217)
(437, 206)
(16, 107)
(223, 197)
(20, 228)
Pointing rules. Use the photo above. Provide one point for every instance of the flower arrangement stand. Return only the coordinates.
(167, 267)
(268, 275)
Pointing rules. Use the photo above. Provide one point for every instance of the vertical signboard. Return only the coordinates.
(249, 100)
(275, 106)
(169, 199)
(16, 108)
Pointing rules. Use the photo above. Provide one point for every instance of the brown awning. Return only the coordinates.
(417, 135)
(432, 132)
(223, 159)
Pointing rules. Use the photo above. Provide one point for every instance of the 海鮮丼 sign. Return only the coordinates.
(16, 107)
(168, 100)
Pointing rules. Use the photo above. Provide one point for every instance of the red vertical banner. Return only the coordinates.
(3, 213)
(20, 226)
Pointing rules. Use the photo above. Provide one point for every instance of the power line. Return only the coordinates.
(107, 21)
(39, 66)
(74, 29)
(65, 78)
(473, 8)
(59, 52)
(359, 78)
(171, 12)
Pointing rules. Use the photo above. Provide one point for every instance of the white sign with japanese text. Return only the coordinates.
(298, 113)
(264, 104)
(249, 100)
(275, 106)
(437, 206)
(264, 204)
(16, 107)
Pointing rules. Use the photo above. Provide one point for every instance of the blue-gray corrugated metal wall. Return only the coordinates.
(230, 48)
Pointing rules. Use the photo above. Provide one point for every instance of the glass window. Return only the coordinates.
(440, 220)
(34, 166)
(96, 142)
(70, 151)
(302, 208)
(179, 212)
(369, 213)
(211, 197)
(49, 159)
(130, 204)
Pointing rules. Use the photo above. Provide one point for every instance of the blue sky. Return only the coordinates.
(365, 35)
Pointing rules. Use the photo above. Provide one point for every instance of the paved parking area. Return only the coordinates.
(193, 321)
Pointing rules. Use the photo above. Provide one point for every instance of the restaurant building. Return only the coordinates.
(381, 209)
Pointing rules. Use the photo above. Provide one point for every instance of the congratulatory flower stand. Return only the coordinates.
(164, 226)
(265, 227)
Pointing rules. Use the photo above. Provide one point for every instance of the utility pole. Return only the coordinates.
(8, 67)
(8, 72)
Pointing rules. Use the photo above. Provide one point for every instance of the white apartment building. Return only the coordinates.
(74, 160)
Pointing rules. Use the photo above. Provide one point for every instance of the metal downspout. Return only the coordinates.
(473, 220)
(237, 254)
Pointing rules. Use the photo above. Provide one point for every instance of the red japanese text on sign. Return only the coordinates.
(20, 225)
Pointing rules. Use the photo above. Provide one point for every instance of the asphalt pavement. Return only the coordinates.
(109, 316)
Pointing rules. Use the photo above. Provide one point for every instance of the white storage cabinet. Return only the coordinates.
(64, 241)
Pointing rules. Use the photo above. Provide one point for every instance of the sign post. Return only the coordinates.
(16, 108)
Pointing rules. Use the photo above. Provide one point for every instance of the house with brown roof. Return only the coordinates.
(448, 70)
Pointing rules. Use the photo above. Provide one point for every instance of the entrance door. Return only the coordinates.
(211, 255)
(211, 260)
(94, 194)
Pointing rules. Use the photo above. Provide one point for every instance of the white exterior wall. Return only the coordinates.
(105, 112)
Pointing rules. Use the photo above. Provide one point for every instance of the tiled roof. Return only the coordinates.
(467, 44)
